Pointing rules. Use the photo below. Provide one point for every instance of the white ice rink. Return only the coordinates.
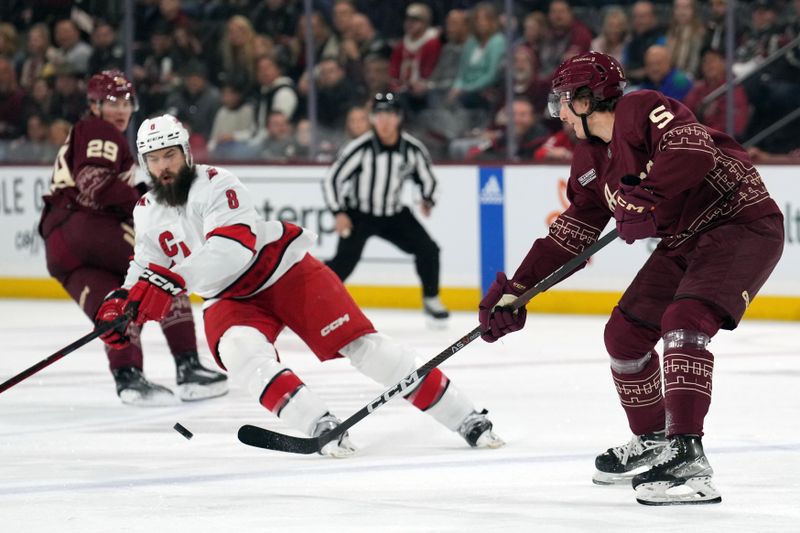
(75, 459)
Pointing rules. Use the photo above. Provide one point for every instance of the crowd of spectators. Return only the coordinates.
(235, 71)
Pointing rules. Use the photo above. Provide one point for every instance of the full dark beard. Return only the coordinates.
(176, 193)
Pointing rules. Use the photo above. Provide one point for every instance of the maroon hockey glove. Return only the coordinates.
(635, 211)
(151, 297)
(496, 317)
(113, 307)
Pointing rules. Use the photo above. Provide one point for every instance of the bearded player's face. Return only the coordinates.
(172, 177)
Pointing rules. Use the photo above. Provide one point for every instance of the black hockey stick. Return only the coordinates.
(116, 323)
(264, 438)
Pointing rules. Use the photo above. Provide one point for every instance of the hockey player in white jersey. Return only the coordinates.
(198, 231)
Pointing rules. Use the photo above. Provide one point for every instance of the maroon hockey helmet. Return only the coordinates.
(600, 73)
(110, 85)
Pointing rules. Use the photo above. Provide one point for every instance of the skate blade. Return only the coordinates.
(606, 478)
(193, 392)
(436, 324)
(695, 491)
(161, 399)
(489, 440)
(337, 451)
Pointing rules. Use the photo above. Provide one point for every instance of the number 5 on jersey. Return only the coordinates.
(661, 117)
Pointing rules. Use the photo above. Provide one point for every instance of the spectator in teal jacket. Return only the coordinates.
(480, 60)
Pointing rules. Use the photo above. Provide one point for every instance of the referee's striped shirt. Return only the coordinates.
(368, 176)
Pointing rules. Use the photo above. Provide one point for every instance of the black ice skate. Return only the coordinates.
(621, 463)
(682, 475)
(134, 389)
(339, 448)
(477, 431)
(196, 382)
(435, 311)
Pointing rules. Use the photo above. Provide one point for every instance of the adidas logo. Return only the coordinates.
(491, 193)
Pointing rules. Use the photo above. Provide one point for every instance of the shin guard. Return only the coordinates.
(178, 327)
(641, 397)
(688, 372)
(253, 364)
(387, 362)
(688, 327)
(131, 355)
(636, 372)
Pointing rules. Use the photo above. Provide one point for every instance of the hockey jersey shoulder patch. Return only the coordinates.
(211, 173)
(587, 177)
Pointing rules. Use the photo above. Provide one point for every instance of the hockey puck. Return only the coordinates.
(183, 431)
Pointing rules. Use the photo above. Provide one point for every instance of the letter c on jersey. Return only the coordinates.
(169, 247)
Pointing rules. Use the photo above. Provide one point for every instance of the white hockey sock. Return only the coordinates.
(253, 365)
(386, 361)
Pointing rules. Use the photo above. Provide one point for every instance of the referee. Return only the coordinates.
(363, 190)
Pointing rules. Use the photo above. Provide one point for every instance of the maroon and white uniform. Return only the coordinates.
(88, 230)
(94, 170)
(721, 236)
(257, 278)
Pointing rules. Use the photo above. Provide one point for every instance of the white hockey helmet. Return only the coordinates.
(160, 132)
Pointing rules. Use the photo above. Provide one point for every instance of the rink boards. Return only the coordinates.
(485, 220)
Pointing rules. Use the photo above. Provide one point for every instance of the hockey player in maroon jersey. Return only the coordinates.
(88, 234)
(198, 231)
(646, 161)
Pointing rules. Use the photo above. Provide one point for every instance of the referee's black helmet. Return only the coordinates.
(386, 102)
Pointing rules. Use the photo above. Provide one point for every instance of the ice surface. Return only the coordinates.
(75, 459)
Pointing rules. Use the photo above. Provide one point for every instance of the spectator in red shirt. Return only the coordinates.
(558, 147)
(414, 58)
(713, 114)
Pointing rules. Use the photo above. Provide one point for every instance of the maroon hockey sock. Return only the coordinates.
(640, 395)
(687, 389)
(430, 391)
(280, 390)
(178, 327)
(131, 355)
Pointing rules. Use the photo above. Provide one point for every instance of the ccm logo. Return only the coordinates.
(629, 206)
(407, 382)
(334, 325)
(161, 282)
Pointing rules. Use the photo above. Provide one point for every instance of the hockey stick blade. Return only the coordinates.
(271, 440)
(264, 438)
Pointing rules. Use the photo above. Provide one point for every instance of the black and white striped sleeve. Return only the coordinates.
(346, 165)
(423, 173)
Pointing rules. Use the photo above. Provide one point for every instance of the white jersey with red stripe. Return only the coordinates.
(217, 242)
